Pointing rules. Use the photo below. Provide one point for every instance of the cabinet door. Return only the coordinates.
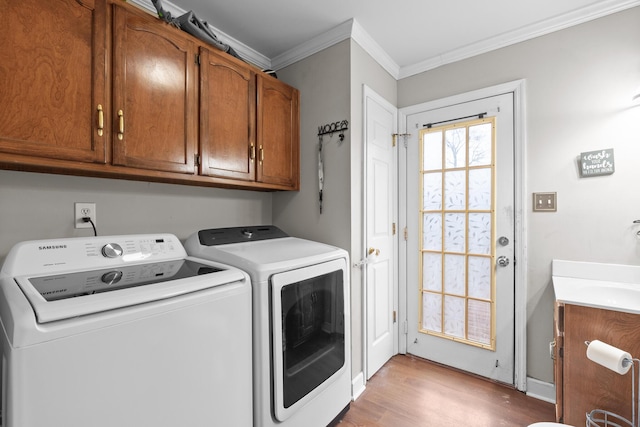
(558, 359)
(154, 94)
(52, 78)
(227, 117)
(278, 134)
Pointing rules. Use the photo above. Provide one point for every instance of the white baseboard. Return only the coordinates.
(541, 390)
(357, 386)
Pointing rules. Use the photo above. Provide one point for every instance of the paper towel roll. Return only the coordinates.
(609, 356)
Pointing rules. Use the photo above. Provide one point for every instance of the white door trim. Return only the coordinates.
(516, 87)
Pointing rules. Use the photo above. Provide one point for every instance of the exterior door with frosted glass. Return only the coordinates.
(460, 246)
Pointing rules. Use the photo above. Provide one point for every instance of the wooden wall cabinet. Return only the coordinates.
(249, 124)
(227, 117)
(154, 110)
(52, 79)
(113, 91)
(583, 385)
(278, 133)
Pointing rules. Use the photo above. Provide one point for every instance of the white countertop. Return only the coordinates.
(608, 286)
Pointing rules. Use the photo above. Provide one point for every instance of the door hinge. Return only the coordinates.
(196, 159)
(393, 228)
(197, 59)
(405, 326)
(406, 233)
(394, 316)
(404, 135)
(395, 137)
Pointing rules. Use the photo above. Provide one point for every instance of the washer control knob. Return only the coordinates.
(247, 233)
(112, 250)
(111, 277)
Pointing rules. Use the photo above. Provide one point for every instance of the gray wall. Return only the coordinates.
(38, 206)
(323, 81)
(579, 87)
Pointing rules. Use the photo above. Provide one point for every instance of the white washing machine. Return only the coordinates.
(301, 321)
(123, 331)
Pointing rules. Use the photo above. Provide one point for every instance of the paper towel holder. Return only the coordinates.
(625, 362)
(603, 418)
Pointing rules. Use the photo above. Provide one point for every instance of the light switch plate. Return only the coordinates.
(544, 202)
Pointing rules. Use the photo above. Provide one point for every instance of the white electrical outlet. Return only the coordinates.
(85, 210)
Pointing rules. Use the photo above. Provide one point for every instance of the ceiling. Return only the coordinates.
(406, 36)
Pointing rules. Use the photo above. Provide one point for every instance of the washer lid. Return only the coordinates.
(64, 296)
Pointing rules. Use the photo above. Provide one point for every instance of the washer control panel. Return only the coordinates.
(85, 253)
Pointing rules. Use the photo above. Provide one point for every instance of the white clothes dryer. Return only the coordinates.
(301, 326)
(123, 331)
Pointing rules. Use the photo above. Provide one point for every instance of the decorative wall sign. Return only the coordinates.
(597, 163)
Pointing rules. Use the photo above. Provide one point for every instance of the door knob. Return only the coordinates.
(503, 261)
(373, 250)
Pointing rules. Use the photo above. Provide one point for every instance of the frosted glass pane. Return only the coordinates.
(432, 191)
(480, 189)
(456, 148)
(432, 151)
(454, 316)
(432, 232)
(432, 312)
(432, 272)
(480, 233)
(454, 274)
(480, 277)
(480, 142)
(480, 322)
(454, 232)
(455, 190)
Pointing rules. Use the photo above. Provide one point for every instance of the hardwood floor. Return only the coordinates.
(411, 392)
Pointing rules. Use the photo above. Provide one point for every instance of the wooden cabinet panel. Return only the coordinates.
(587, 385)
(154, 88)
(52, 78)
(558, 359)
(227, 117)
(278, 134)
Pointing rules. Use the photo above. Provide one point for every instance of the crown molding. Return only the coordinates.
(360, 36)
(333, 36)
(542, 28)
(248, 54)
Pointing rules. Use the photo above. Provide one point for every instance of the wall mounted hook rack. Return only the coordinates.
(332, 128)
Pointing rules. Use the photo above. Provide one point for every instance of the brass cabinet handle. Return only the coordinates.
(100, 120)
(120, 124)
(261, 154)
(372, 250)
(252, 152)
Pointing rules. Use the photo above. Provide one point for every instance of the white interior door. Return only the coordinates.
(380, 240)
(460, 297)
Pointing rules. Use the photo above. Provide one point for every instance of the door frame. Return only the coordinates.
(516, 87)
(370, 93)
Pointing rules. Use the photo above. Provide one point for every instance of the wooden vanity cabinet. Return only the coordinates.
(586, 385)
(154, 94)
(53, 79)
